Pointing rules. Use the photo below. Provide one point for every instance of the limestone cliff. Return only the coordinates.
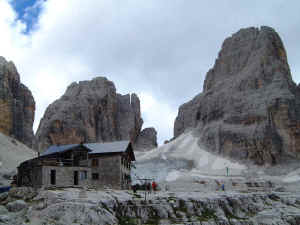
(250, 106)
(17, 106)
(146, 140)
(90, 111)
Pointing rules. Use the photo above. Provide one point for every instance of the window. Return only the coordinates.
(95, 176)
(198, 116)
(83, 175)
(95, 163)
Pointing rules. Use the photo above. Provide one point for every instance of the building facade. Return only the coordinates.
(96, 165)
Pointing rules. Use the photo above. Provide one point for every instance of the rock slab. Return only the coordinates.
(17, 105)
(90, 111)
(118, 207)
(250, 107)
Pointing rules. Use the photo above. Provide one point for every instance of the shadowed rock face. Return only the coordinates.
(146, 140)
(17, 106)
(90, 111)
(250, 106)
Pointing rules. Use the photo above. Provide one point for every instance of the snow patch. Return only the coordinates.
(292, 177)
(12, 153)
(167, 162)
(173, 175)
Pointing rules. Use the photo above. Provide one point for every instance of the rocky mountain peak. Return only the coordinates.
(100, 86)
(146, 140)
(249, 108)
(90, 111)
(250, 50)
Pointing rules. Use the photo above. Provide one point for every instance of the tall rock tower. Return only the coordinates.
(250, 107)
(17, 106)
(90, 111)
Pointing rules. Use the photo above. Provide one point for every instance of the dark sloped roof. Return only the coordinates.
(108, 147)
(95, 148)
(58, 148)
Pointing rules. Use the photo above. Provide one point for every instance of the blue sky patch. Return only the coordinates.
(28, 12)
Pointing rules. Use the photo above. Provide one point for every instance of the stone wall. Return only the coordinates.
(112, 172)
(108, 169)
(125, 168)
(35, 175)
(30, 175)
(65, 176)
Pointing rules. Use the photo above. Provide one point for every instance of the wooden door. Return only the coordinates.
(53, 177)
(75, 177)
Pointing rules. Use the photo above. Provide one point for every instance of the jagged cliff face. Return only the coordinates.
(90, 111)
(17, 106)
(146, 140)
(250, 106)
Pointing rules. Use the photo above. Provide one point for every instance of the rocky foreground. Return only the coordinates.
(76, 206)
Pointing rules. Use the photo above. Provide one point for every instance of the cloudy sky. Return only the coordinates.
(159, 49)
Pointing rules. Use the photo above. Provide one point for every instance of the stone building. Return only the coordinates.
(97, 165)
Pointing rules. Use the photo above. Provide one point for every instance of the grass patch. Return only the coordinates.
(171, 199)
(230, 216)
(135, 195)
(153, 221)
(207, 214)
(183, 208)
(106, 208)
(124, 220)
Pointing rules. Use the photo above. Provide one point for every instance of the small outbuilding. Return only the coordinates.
(97, 165)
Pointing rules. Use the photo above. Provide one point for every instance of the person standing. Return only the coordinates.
(153, 186)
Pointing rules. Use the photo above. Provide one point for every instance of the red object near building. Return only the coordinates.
(154, 186)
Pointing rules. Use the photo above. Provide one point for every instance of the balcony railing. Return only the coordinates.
(62, 162)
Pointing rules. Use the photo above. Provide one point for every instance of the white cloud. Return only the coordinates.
(11, 39)
(159, 49)
(157, 114)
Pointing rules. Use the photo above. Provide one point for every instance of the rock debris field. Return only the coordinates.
(77, 206)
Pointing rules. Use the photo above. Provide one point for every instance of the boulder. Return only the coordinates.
(5, 219)
(25, 193)
(3, 197)
(146, 140)
(90, 111)
(250, 107)
(16, 206)
(17, 105)
(3, 210)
